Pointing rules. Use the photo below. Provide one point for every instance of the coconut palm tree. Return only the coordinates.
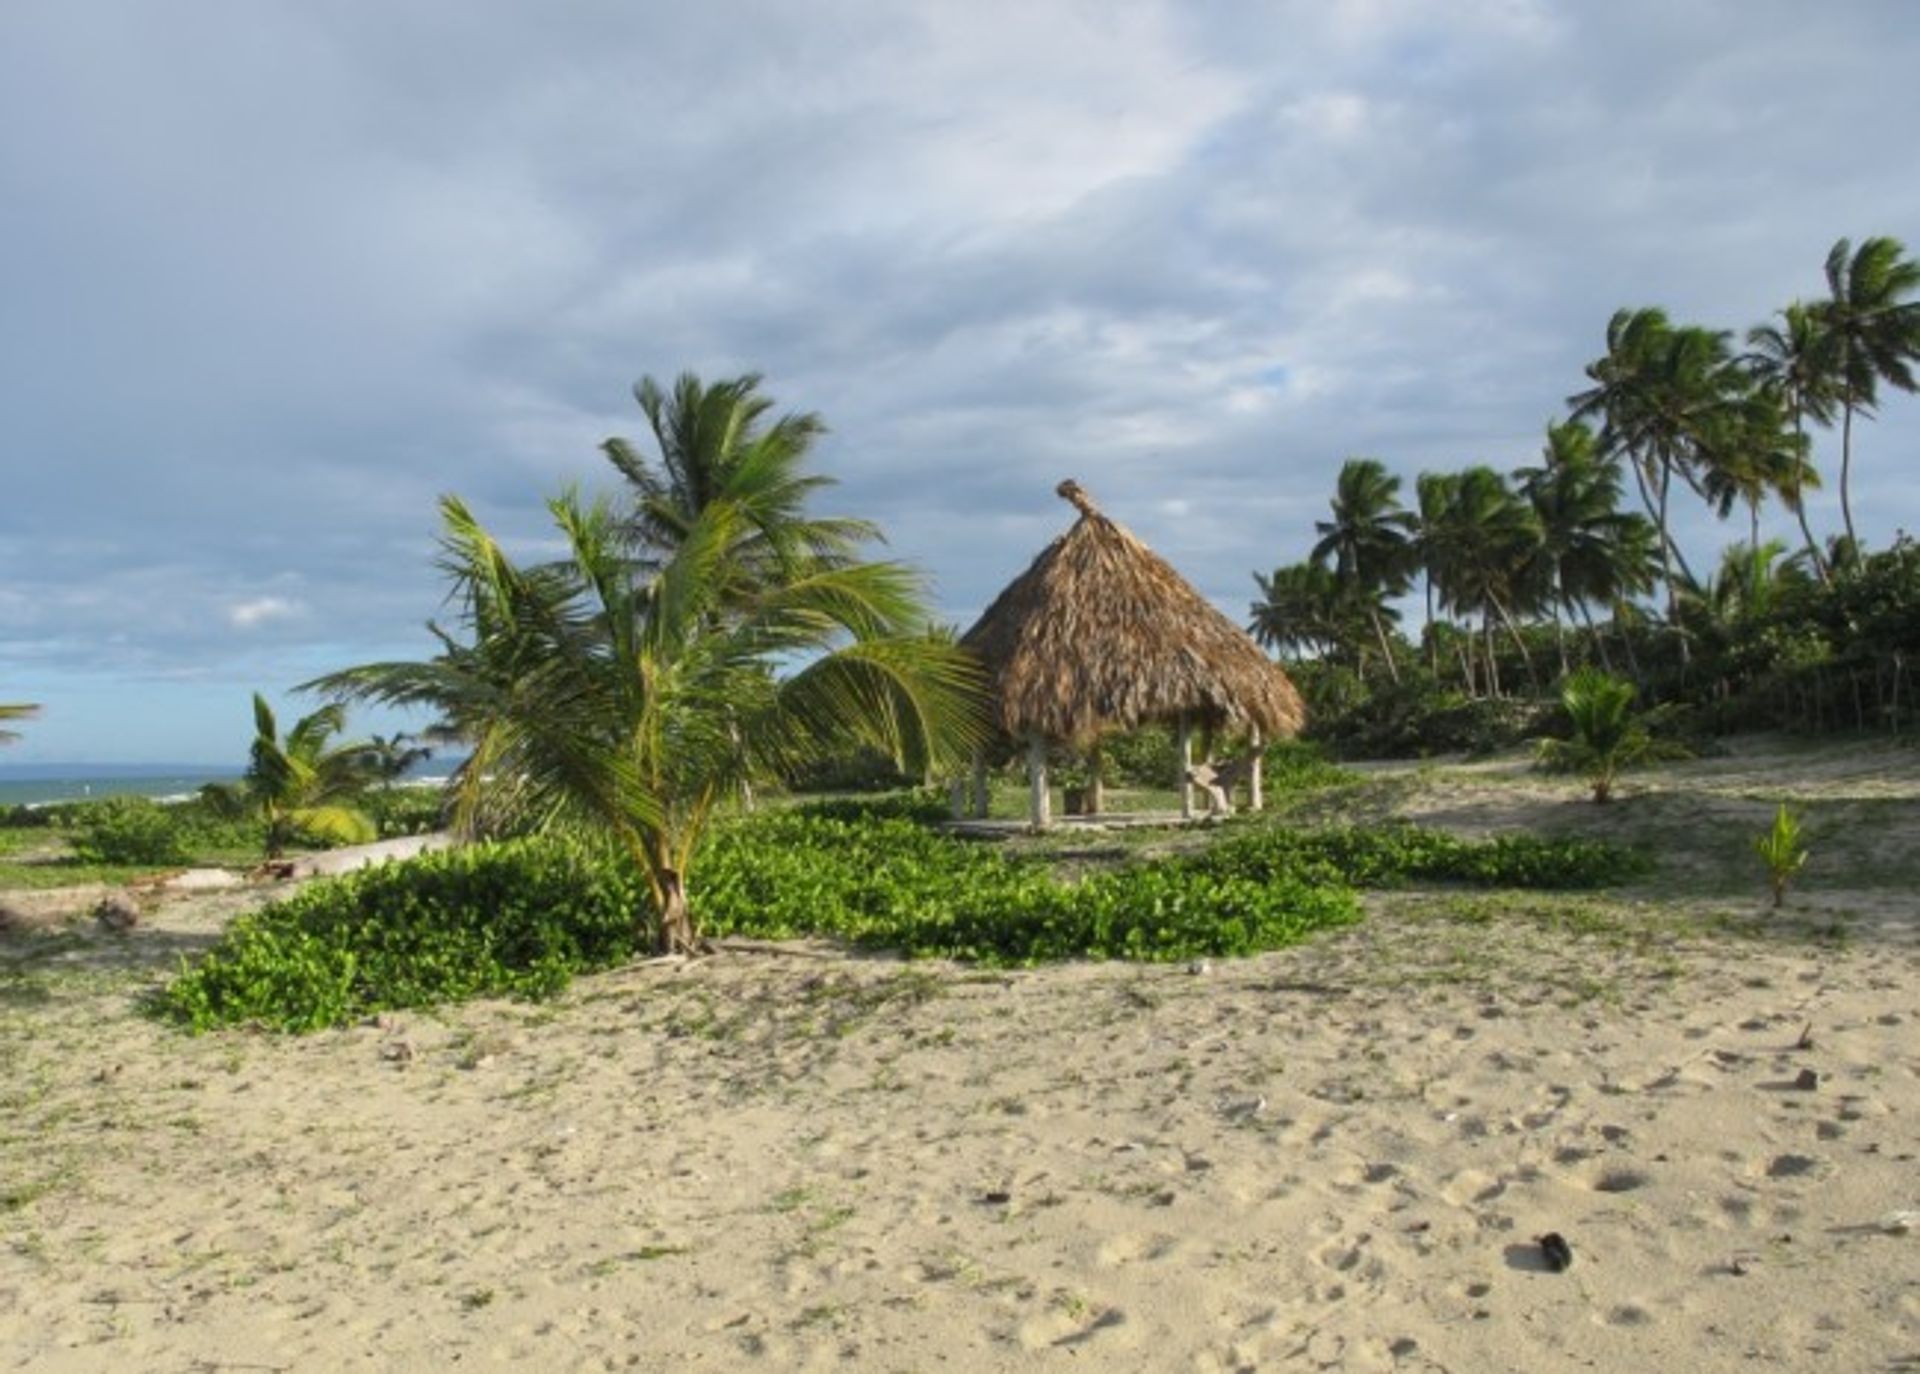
(715, 442)
(1875, 336)
(1669, 399)
(1590, 551)
(1792, 359)
(20, 712)
(1301, 610)
(1487, 538)
(1367, 543)
(638, 700)
(304, 787)
(1435, 492)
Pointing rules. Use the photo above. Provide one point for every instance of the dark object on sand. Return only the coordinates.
(117, 914)
(1805, 1042)
(1807, 1080)
(1558, 1254)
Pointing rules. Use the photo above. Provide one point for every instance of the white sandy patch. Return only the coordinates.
(1333, 1157)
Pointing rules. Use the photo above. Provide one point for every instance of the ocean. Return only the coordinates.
(38, 785)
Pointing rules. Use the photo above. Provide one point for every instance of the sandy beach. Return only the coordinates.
(1333, 1157)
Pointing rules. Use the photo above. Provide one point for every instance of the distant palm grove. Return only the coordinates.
(1572, 560)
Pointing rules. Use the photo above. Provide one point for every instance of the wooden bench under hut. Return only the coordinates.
(1102, 635)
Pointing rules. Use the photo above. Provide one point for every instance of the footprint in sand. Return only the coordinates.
(1129, 1249)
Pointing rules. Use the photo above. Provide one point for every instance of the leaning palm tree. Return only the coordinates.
(1792, 360)
(1367, 544)
(639, 699)
(1669, 398)
(20, 712)
(1875, 336)
(1490, 537)
(303, 787)
(1589, 549)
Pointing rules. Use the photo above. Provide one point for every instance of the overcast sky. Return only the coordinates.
(274, 275)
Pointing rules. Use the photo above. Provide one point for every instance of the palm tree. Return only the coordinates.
(1367, 543)
(1792, 360)
(1487, 537)
(1669, 399)
(1300, 610)
(1607, 735)
(20, 712)
(1761, 455)
(1589, 550)
(305, 786)
(1875, 336)
(1435, 491)
(715, 442)
(639, 699)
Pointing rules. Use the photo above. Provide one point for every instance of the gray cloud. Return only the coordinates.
(278, 275)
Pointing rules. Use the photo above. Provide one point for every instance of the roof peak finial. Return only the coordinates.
(1075, 494)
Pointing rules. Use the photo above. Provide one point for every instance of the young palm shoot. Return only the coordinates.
(1783, 852)
(1608, 737)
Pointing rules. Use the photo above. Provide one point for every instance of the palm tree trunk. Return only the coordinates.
(1813, 547)
(1433, 643)
(1593, 633)
(1846, 467)
(1513, 631)
(1493, 665)
(1380, 633)
(1669, 551)
(1559, 630)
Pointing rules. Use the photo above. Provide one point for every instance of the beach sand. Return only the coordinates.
(1333, 1157)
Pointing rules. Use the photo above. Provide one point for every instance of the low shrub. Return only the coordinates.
(1389, 855)
(893, 884)
(128, 830)
(514, 919)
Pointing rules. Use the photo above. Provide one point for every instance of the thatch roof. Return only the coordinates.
(1101, 633)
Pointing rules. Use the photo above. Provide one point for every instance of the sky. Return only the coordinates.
(275, 275)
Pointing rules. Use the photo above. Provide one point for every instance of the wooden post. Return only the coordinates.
(1186, 765)
(1039, 804)
(1256, 798)
(1096, 785)
(980, 783)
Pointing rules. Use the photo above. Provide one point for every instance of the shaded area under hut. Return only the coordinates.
(1100, 634)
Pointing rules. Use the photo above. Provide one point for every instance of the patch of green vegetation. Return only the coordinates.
(515, 919)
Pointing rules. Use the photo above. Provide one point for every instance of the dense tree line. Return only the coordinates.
(1527, 575)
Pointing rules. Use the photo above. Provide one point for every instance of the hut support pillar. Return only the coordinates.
(1096, 784)
(1256, 796)
(980, 783)
(1186, 766)
(1039, 803)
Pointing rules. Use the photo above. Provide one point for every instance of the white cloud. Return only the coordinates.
(247, 615)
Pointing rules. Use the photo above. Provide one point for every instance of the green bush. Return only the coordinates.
(1389, 855)
(128, 830)
(893, 884)
(515, 919)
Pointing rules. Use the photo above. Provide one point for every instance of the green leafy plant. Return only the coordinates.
(128, 830)
(514, 919)
(648, 678)
(1608, 735)
(1782, 851)
(304, 787)
(15, 712)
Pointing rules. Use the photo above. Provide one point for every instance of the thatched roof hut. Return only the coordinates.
(1102, 634)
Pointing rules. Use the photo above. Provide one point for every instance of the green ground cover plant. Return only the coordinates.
(522, 918)
(512, 919)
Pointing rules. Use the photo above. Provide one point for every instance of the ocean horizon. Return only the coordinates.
(45, 784)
